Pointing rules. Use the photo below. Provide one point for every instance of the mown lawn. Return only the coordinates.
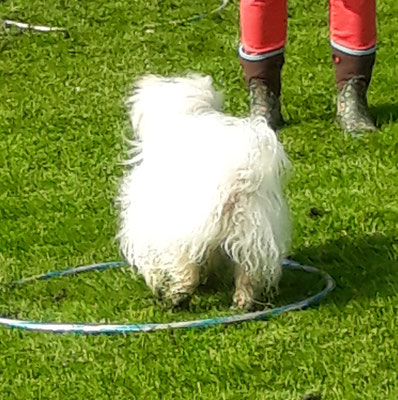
(62, 130)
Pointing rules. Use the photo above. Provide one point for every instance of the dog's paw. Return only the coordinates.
(180, 300)
(243, 298)
(242, 303)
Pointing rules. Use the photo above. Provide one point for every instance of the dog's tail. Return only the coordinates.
(268, 163)
(156, 99)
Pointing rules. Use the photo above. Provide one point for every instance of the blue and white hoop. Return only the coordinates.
(89, 329)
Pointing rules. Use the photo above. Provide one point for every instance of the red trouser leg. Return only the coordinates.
(263, 27)
(353, 26)
(264, 23)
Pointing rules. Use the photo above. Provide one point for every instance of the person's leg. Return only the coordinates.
(263, 26)
(353, 41)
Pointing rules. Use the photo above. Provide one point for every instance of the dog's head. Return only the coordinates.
(156, 96)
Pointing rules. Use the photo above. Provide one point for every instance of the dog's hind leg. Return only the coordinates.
(245, 289)
(184, 279)
(250, 288)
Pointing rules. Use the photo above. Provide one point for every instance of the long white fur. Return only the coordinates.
(201, 180)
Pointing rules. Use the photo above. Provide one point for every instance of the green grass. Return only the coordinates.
(62, 130)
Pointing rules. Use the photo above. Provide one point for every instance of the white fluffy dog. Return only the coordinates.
(200, 182)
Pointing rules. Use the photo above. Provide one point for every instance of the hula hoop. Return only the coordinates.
(90, 329)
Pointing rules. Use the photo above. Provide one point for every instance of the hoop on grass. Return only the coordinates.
(82, 328)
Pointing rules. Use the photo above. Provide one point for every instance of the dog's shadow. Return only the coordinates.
(363, 267)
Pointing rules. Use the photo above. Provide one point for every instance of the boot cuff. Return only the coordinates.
(353, 52)
(258, 57)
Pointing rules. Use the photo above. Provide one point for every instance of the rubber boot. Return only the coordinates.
(353, 75)
(264, 81)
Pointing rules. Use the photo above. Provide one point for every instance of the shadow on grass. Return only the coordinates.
(362, 267)
(384, 113)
